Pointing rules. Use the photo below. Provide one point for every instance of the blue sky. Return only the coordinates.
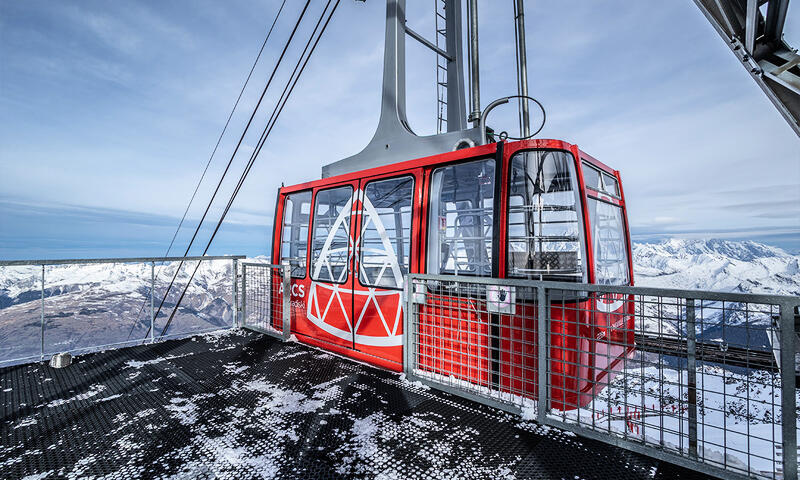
(109, 110)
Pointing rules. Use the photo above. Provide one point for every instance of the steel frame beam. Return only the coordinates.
(758, 43)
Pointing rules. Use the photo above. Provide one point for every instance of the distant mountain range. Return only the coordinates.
(108, 303)
(102, 304)
(719, 265)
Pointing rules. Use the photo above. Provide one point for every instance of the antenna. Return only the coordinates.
(394, 140)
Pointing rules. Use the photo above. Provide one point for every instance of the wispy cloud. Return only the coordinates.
(115, 107)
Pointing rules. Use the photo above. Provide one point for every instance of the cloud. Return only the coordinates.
(115, 108)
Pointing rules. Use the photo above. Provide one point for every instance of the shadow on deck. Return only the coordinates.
(242, 405)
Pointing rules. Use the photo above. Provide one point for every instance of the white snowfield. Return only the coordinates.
(719, 265)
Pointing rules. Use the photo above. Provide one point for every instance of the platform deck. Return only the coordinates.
(242, 405)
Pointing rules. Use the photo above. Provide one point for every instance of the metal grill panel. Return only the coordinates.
(265, 299)
(703, 379)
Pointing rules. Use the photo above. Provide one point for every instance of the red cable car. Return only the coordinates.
(531, 209)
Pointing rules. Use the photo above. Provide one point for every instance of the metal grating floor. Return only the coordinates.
(242, 405)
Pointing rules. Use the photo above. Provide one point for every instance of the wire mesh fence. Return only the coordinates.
(265, 297)
(704, 379)
(79, 306)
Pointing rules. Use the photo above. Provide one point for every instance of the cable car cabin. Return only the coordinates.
(533, 209)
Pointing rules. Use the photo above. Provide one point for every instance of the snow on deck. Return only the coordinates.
(242, 405)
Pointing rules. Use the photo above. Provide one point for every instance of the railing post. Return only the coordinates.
(541, 330)
(235, 297)
(41, 358)
(408, 327)
(691, 367)
(287, 304)
(788, 389)
(243, 313)
(152, 297)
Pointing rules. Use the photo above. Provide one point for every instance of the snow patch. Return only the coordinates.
(38, 476)
(26, 422)
(93, 390)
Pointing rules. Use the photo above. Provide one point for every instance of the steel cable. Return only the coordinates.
(213, 152)
(287, 91)
(233, 155)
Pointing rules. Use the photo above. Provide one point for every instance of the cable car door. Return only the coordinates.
(388, 209)
(329, 306)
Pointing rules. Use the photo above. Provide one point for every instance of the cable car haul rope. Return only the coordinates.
(302, 61)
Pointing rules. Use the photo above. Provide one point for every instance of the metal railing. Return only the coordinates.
(706, 380)
(80, 306)
(266, 299)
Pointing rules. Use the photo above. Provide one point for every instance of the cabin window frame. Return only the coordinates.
(431, 238)
(581, 214)
(283, 225)
(616, 193)
(412, 214)
(623, 236)
(313, 229)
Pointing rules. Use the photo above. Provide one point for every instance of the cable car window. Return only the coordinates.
(610, 245)
(610, 185)
(331, 243)
(386, 232)
(294, 237)
(591, 178)
(544, 217)
(461, 219)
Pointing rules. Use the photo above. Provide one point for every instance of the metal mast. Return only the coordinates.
(522, 68)
(474, 65)
(394, 140)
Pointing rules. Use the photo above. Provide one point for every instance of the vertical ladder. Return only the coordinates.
(441, 66)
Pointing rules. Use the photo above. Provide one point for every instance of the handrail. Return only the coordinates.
(84, 261)
(616, 289)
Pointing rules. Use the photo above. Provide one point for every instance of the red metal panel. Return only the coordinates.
(454, 339)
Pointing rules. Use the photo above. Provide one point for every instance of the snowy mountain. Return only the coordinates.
(106, 303)
(716, 265)
(719, 265)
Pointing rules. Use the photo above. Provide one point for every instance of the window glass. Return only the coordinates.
(461, 219)
(331, 243)
(591, 177)
(610, 248)
(294, 237)
(386, 232)
(610, 185)
(544, 218)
